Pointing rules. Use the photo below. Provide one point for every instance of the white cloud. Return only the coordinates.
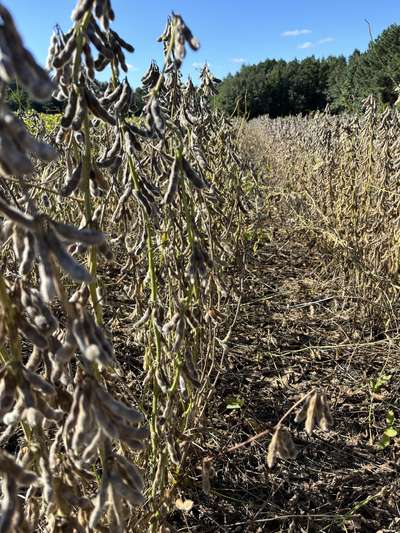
(132, 67)
(307, 44)
(238, 60)
(295, 33)
(326, 40)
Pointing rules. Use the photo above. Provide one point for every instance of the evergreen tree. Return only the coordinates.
(280, 88)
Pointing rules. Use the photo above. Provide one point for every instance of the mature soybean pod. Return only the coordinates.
(123, 99)
(7, 71)
(12, 159)
(70, 109)
(96, 108)
(89, 236)
(79, 113)
(72, 181)
(66, 53)
(95, 35)
(128, 47)
(112, 96)
(66, 262)
(172, 184)
(80, 9)
(192, 176)
(23, 139)
(120, 56)
(89, 61)
(28, 255)
(101, 62)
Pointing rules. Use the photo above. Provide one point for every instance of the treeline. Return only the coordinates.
(280, 88)
(19, 100)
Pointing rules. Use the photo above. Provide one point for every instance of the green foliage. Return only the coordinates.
(234, 402)
(280, 88)
(390, 431)
(19, 100)
(379, 70)
(380, 381)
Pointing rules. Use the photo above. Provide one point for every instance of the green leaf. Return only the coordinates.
(234, 402)
(381, 380)
(390, 432)
(390, 417)
(384, 442)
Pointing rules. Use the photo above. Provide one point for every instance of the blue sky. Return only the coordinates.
(231, 32)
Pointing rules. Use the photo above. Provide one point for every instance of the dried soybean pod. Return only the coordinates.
(115, 148)
(23, 219)
(118, 408)
(32, 334)
(66, 262)
(112, 96)
(101, 62)
(133, 496)
(16, 129)
(111, 14)
(151, 189)
(190, 370)
(121, 58)
(131, 472)
(100, 500)
(99, 8)
(33, 77)
(72, 181)
(89, 61)
(124, 98)
(12, 159)
(155, 112)
(79, 113)
(7, 392)
(192, 176)
(128, 47)
(80, 9)
(18, 235)
(46, 274)
(94, 189)
(96, 108)
(94, 34)
(28, 255)
(6, 230)
(131, 142)
(79, 137)
(38, 382)
(61, 135)
(172, 184)
(141, 198)
(66, 53)
(7, 71)
(193, 42)
(70, 233)
(70, 109)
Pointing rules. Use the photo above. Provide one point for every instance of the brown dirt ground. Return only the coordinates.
(282, 346)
